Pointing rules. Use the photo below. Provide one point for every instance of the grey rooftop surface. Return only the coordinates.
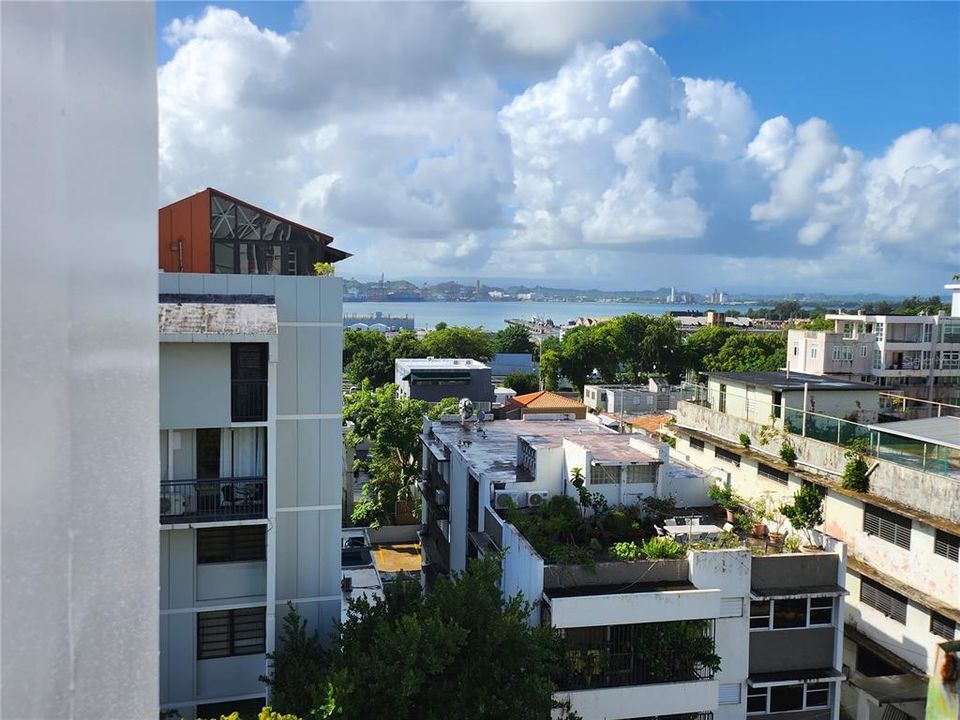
(440, 364)
(217, 318)
(936, 431)
(795, 381)
(490, 448)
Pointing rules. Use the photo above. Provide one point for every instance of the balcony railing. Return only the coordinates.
(249, 400)
(641, 654)
(194, 501)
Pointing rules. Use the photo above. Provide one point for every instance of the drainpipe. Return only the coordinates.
(803, 420)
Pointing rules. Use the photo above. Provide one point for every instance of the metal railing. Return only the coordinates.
(925, 456)
(640, 654)
(218, 499)
(248, 401)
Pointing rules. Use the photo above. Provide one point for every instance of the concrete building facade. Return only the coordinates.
(251, 477)
(434, 379)
(902, 576)
(914, 355)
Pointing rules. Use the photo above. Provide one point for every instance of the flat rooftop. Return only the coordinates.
(936, 431)
(795, 381)
(490, 448)
(208, 315)
(440, 364)
(626, 588)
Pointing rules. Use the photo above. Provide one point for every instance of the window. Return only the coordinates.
(231, 453)
(947, 545)
(772, 473)
(224, 633)
(640, 473)
(605, 475)
(249, 382)
(240, 543)
(887, 525)
(821, 611)
(730, 457)
(729, 694)
(796, 349)
(791, 613)
(890, 603)
(951, 333)
(950, 360)
(722, 405)
(877, 360)
(696, 443)
(924, 359)
(863, 351)
(813, 351)
(942, 626)
(878, 332)
(208, 453)
(785, 698)
(759, 614)
(842, 352)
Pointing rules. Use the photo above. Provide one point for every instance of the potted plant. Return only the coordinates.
(724, 497)
(788, 453)
(791, 544)
(805, 512)
(761, 513)
(745, 441)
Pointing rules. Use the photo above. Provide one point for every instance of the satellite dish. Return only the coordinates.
(466, 408)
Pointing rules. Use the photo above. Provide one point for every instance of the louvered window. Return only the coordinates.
(772, 473)
(947, 545)
(730, 457)
(890, 603)
(887, 525)
(240, 543)
(696, 443)
(942, 626)
(223, 633)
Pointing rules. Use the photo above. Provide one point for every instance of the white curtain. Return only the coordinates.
(249, 452)
(226, 453)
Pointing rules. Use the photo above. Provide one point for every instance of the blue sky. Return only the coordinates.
(766, 146)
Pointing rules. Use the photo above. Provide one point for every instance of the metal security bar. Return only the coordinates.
(219, 499)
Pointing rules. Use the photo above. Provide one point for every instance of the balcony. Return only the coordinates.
(248, 400)
(213, 500)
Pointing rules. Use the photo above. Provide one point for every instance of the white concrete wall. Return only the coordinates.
(457, 509)
(728, 571)
(78, 318)
(651, 700)
(631, 608)
(195, 378)
(522, 570)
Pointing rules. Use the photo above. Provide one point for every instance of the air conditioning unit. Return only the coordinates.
(441, 498)
(173, 505)
(504, 499)
(537, 498)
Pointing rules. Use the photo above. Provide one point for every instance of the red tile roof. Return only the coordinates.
(545, 399)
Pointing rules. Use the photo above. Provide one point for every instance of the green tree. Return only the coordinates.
(366, 356)
(586, 349)
(661, 348)
(298, 667)
(705, 341)
(550, 369)
(522, 382)
(749, 352)
(405, 345)
(459, 342)
(392, 426)
(819, 323)
(513, 339)
(461, 652)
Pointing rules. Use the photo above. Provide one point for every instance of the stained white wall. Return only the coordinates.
(79, 360)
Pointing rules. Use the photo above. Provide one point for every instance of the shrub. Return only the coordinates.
(662, 548)
(723, 496)
(791, 544)
(626, 551)
(745, 440)
(743, 523)
(659, 509)
(806, 510)
(788, 454)
(323, 269)
(855, 472)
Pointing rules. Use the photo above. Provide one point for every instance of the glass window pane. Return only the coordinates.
(760, 614)
(756, 700)
(789, 697)
(789, 613)
(222, 217)
(818, 695)
(223, 257)
(248, 223)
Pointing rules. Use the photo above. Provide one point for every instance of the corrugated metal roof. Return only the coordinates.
(939, 430)
(217, 319)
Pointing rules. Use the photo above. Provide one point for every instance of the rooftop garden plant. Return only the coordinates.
(855, 471)
(788, 453)
(745, 440)
(806, 510)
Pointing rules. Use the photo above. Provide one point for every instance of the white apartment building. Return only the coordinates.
(773, 620)
(250, 466)
(915, 355)
(902, 574)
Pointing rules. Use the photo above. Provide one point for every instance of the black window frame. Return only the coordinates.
(220, 633)
(697, 443)
(727, 455)
(946, 545)
(771, 473)
(248, 385)
(886, 525)
(231, 543)
(942, 626)
(884, 600)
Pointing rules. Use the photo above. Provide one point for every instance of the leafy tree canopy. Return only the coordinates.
(461, 652)
(366, 356)
(514, 339)
(523, 383)
(459, 342)
(550, 369)
(749, 352)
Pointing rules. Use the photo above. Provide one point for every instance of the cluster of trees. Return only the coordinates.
(631, 346)
(459, 652)
(793, 310)
(370, 355)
